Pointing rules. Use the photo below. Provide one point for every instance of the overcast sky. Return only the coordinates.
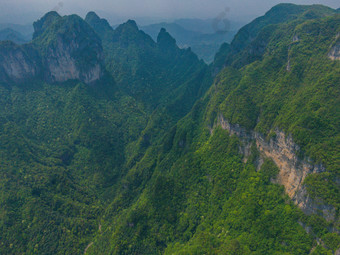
(25, 11)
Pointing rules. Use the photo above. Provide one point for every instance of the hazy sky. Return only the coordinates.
(25, 11)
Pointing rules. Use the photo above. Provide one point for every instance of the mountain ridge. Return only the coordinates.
(58, 53)
(248, 36)
(163, 154)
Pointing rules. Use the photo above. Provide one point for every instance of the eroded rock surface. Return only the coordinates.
(334, 53)
(293, 170)
(16, 63)
(64, 48)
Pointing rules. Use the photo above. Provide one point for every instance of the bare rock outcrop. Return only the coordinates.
(64, 48)
(62, 62)
(17, 63)
(293, 170)
(334, 53)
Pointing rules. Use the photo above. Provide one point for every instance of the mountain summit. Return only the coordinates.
(101, 26)
(63, 48)
(42, 24)
(165, 40)
(114, 143)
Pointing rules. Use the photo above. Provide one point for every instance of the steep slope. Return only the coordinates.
(182, 35)
(62, 150)
(69, 132)
(18, 63)
(101, 26)
(204, 44)
(155, 73)
(147, 161)
(298, 99)
(64, 48)
(162, 78)
(230, 176)
(70, 49)
(250, 42)
(62, 141)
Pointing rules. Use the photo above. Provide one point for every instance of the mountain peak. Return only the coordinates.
(131, 23)
(92, 15)
(43, 23)
(165, 39)
(75, 40)
(66, 48)
(129, 27)
(101, 26)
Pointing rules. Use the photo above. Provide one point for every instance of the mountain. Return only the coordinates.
(9, 34)
(250, 37)
(206, 26)
(114, 143)
(252, 168)
(156, 73)
(56, 54)
(101, 26)
(205, 45)
(75, 126)
(180, 33)
(25, 30)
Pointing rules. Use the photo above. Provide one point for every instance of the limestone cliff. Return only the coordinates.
(334, 53)
(71, 50)
(64, 48)
(17, 63)
(293, 170)
(73, 59)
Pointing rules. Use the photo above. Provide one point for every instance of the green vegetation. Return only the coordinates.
(61, 149)
(302, 101)
(157, 74)
(136, 163)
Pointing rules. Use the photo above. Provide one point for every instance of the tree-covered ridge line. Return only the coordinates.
(176, 172)
(65, 146)
(300, 101)
(131, 164)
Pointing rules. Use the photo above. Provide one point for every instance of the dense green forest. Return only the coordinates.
(138, 163)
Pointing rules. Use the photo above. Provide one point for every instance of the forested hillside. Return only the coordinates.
(140, 148)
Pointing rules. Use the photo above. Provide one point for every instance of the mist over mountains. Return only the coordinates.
(122, 140)
(203, 36)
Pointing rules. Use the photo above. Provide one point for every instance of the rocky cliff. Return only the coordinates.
(64, 48)
(334, 53)
(17, 63)
(75, 51)
(293, 170)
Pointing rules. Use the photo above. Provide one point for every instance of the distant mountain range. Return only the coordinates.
(9, 34)
(204, 43)
(198, 34)
(17, 33)
(114, 142)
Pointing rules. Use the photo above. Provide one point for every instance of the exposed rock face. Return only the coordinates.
(288, 68)
(16, 63)
(62, 62)
(295, 38)
(293, 171)
(64, 48)
(334, 53)
(73, 51)
(61, 65)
